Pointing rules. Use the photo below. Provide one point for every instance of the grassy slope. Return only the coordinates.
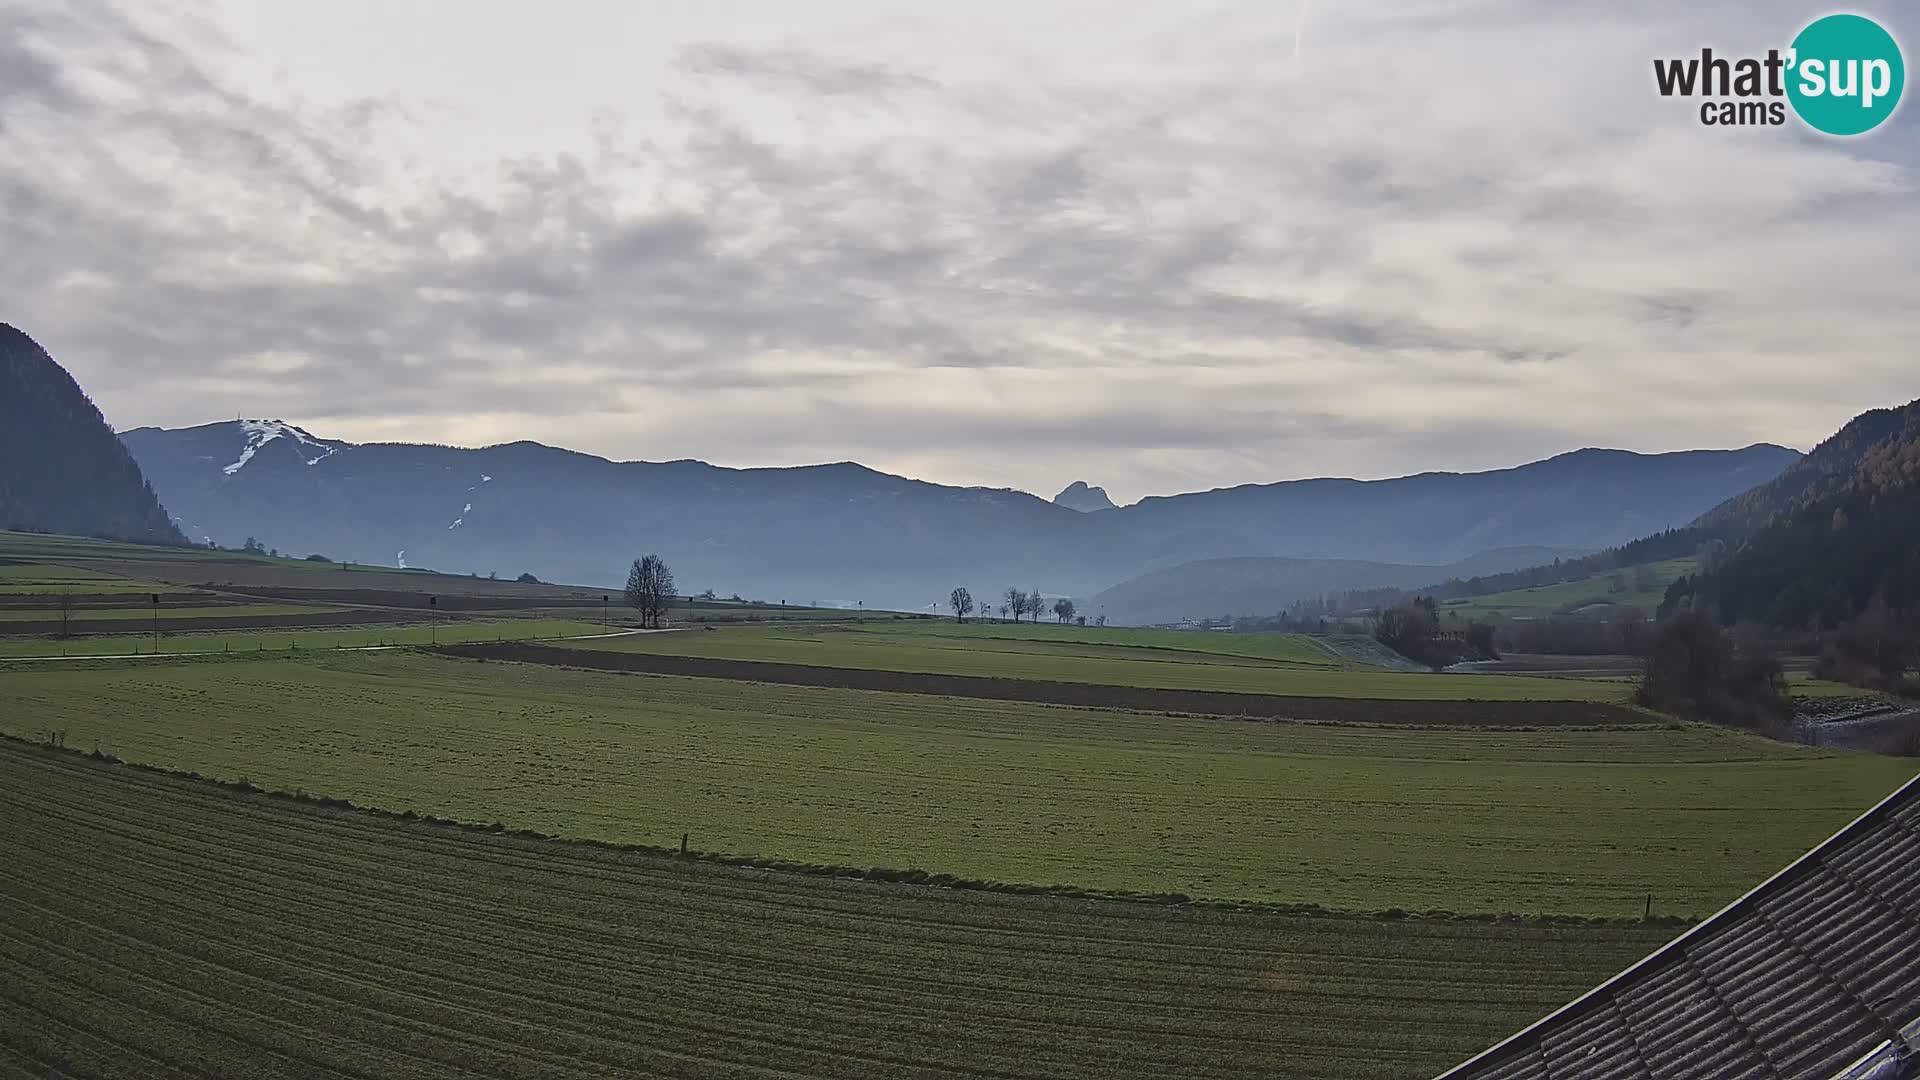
(141, 610)
(1547, 599)
(159, 927)
(1250, 663)
(1572, 822)
(46, 579)
(199, 566)
(296, 639)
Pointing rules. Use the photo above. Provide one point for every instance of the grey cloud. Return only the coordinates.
(790, 69)
(1189, 270)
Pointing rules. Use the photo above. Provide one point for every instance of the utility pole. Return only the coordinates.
(606, 616)
(433, 626)
(156, 622)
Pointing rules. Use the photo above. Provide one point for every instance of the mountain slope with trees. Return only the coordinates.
(62, 469)
(1829, 541)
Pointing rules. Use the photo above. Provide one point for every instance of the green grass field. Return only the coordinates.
(1292, 664)
(143, 611)
(46, 579)
(1594, 589)
(298, 639)
(213, 568)
(1578, 822)
(163, 928)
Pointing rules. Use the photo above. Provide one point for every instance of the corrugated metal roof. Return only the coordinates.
(1815, 972)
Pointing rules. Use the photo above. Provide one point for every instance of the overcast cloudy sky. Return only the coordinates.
(1157, 246)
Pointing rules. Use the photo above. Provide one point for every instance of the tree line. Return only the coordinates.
(1840, 567)
(1017, 604)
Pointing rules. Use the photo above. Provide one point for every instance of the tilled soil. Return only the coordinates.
(1087, 695)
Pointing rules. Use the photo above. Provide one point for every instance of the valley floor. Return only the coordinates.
(1163, 853)
(1555, 821)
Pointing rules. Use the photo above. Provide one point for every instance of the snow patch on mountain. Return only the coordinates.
(259, 433)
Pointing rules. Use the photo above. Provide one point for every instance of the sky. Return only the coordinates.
(1155, 247)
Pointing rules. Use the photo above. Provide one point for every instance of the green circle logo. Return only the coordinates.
(1846, 74)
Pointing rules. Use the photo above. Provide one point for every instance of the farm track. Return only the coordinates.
(1439, 713)
(155, 925)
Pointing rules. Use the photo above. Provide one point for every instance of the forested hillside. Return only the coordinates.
(61, 467)
(1834, 537)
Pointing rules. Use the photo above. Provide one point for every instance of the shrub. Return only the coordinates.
(1413, 630)
(1694, 671)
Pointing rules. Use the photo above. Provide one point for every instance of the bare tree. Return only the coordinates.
(1034, 605)
(1003, 611)
(961, 601)
(637, 588)
(1016, 603)
(649, 589)
(1063, 610)
(66, 613)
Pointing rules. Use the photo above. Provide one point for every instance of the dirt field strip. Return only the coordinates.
(1087, 695)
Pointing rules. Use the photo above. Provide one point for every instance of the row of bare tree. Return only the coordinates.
(1017, 603)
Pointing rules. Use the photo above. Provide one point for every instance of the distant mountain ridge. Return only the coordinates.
(1581, 500)
(1824, 471)
(842, 533)
(61, 467)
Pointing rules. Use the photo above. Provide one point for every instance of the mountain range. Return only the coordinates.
(840, 533)
(843, 533)
(61, 469)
